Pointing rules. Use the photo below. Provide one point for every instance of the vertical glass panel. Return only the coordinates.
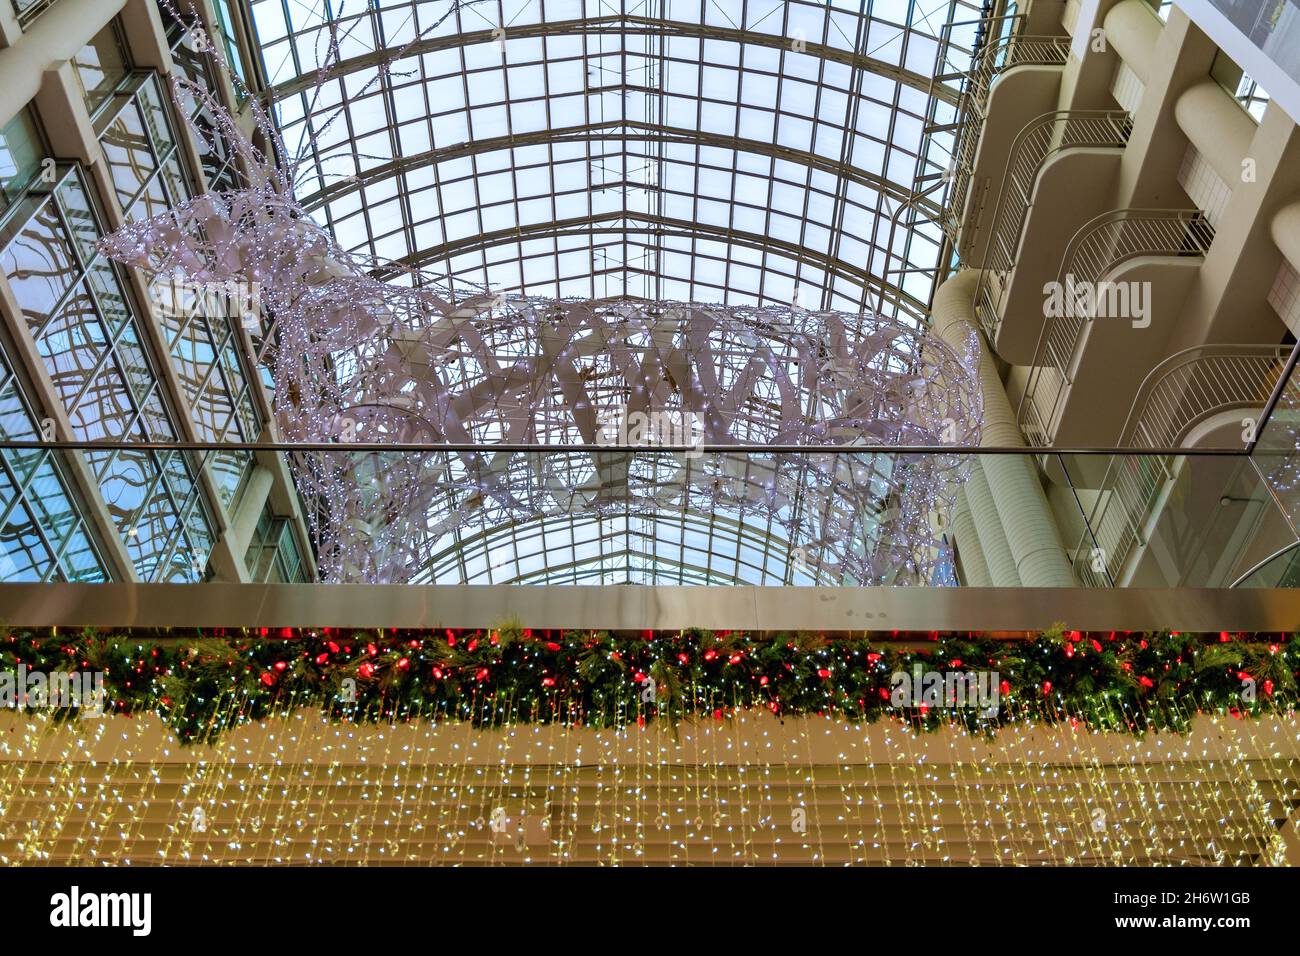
(44, 517)
(22, 552)
(130, 157)
(40, 264)
(225, 25)
(86, 333)
(100, 66)
(21, 153)
(155, 115)
(228, 471)
(80, 217)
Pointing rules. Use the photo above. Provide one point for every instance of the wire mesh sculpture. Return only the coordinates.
(359, 358)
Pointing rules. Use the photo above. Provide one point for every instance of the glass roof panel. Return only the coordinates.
(748, 151)
(714, 151)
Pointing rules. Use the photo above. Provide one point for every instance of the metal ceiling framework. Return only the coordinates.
(747, 152)
(740, 153)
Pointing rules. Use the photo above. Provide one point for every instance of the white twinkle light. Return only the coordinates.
(357, 359)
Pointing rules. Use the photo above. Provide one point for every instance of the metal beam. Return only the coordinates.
(597, 132)
(1009, 611)
(617, 25)
(654, 225)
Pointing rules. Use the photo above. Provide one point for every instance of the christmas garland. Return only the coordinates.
(203, 683)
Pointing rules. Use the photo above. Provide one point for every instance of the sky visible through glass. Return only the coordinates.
(715, 151)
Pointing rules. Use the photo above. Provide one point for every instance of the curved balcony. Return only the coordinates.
(999, 56)
(1187, 390)
(1038, 143)
(1011, 51)
(1094, 255)
(1197, 385)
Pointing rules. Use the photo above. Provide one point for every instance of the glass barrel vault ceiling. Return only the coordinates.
(735, 151)
(738, 152)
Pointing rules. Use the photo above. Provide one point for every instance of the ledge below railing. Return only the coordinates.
(882, 611)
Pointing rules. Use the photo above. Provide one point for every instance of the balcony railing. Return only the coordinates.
(29, 10)
(1184, 390)
(1040, 140)
(1196, 384)
(971, 55)
(999, 56)
(1095, 251)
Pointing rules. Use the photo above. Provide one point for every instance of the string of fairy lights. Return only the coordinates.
(357, 359)
(478, 780)
(750, 788)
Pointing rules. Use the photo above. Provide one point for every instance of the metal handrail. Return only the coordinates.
(1099, 247)
(1260, 565)
(1000, 44)
(1036, 143)
(1012, 51)
(997, 58)
(1185, 389)
(1195, 384)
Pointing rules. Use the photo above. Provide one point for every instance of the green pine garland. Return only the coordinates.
(203, 684)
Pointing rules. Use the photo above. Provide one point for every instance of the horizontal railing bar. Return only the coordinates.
(708, 449)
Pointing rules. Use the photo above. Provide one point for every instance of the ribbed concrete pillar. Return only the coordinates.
(993, 539)
(1020, 505)
(975, 570)
(1028, 522)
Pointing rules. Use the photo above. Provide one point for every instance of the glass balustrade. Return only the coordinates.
(515, 514)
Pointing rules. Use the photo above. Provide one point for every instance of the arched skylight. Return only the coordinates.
(715, 151)
(740, 152)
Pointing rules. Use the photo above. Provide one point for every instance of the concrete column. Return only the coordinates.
(251, 504)
(1021, 507)
(993, 540)
(1221, 130)
(1134, 30)
(1285, 229)
(975, 570)
(10, 31)
(53, 37)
